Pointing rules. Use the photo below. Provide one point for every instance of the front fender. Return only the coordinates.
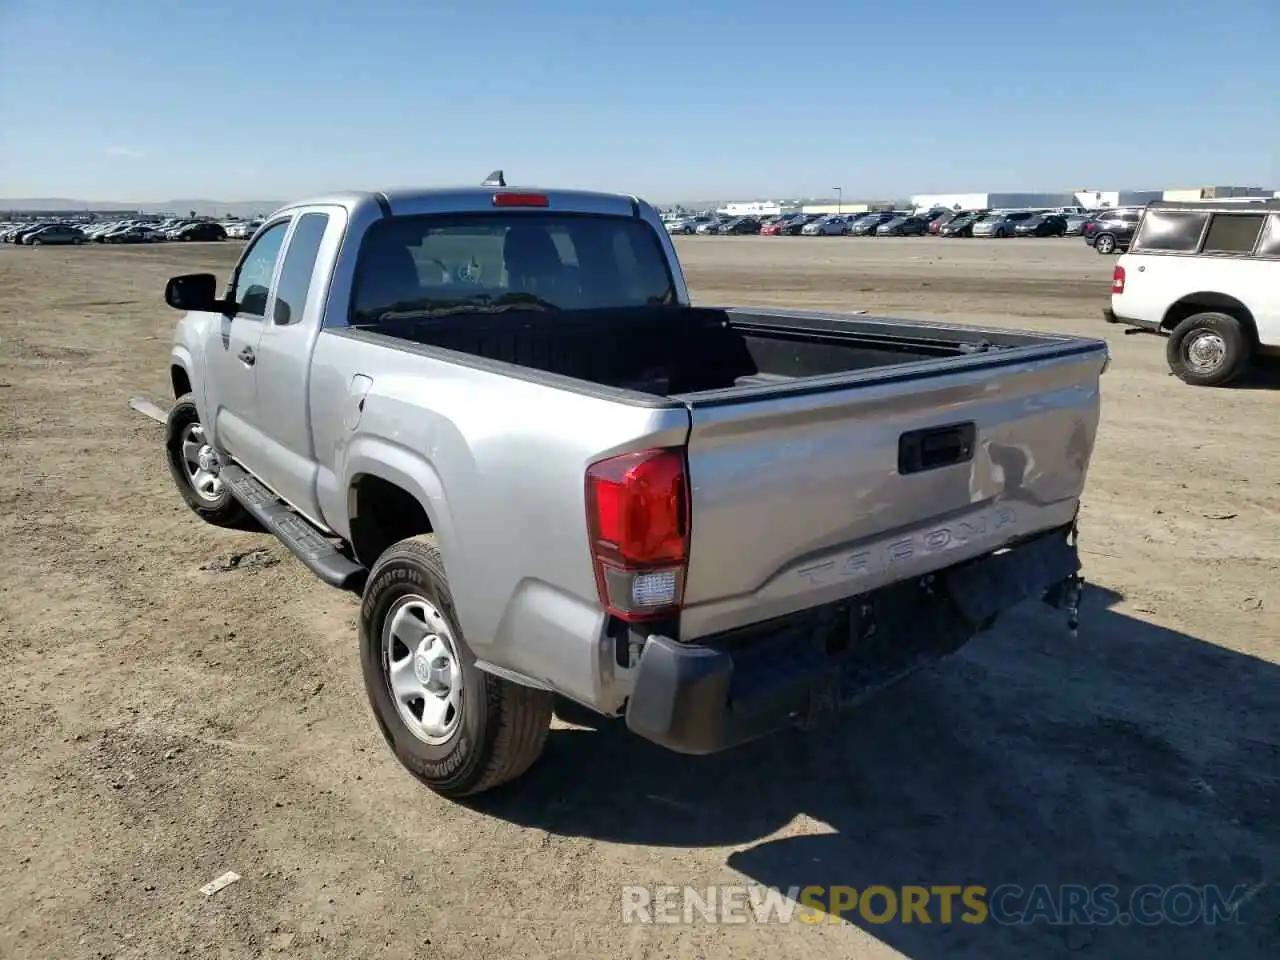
(182, 357)
(187, 352)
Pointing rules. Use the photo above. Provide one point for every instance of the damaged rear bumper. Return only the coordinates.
(708, 696)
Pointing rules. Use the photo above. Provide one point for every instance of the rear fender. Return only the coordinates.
(375, 456)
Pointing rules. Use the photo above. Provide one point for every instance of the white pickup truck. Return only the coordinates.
(1205, 274)
(497, 412)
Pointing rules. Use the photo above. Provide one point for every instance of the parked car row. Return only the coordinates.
(1108, 231)
(37, 234)
(40, 232)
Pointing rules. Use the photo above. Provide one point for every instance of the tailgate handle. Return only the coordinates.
(921, 450)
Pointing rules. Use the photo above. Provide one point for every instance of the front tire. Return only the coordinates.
(458, 729)
(1208, 349)
(194, 466)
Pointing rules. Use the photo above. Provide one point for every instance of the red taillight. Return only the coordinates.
(1117, 280)
(519, 199)
(638, 523)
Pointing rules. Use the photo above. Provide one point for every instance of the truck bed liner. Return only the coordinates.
(671, 351)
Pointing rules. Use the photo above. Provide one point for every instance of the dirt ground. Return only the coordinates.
(179, 700)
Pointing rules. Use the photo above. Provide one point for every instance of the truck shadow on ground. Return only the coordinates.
(1131, 755)
(1261, 376)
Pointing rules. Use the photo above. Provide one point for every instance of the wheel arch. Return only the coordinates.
(1209, 301)
(185, 369)
(179, 379)
(393, 494)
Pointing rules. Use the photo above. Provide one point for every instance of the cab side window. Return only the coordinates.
(299, 265)
(1233, 232)
(1270, 245)
(1171, 231)
(253, 278)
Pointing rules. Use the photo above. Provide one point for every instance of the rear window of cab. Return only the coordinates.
(427, 265)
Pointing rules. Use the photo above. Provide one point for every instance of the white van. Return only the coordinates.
(1206, 275)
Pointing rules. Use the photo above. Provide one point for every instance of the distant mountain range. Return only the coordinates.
(217, 208)
(251, 208)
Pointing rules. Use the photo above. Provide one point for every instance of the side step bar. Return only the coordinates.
(296, 532)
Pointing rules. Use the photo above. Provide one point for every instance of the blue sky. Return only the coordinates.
(273, 99)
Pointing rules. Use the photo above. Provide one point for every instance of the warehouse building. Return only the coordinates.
(759, 208)
(992, 201)
(1214, 193)
(774, 208)
(1094, 199)
(1087, 198)
(845, 206)
(1090, 199)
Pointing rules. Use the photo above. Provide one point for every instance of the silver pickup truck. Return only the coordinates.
(556, 481)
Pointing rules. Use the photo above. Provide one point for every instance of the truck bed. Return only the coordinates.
(695, 350)
(828, 456)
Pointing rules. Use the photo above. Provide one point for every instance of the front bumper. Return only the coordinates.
(700, 698)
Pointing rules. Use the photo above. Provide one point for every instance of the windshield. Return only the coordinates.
(468, 263)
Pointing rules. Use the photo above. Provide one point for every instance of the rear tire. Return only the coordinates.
(1105, 244)
(1209, 349)
(497, 729)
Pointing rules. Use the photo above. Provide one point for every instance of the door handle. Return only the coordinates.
(247, 356)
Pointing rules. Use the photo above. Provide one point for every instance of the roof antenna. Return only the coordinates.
(494, 179)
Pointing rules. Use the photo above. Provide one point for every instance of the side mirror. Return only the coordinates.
(196, 292)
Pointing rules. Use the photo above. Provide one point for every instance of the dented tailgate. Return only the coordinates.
(804, 498)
